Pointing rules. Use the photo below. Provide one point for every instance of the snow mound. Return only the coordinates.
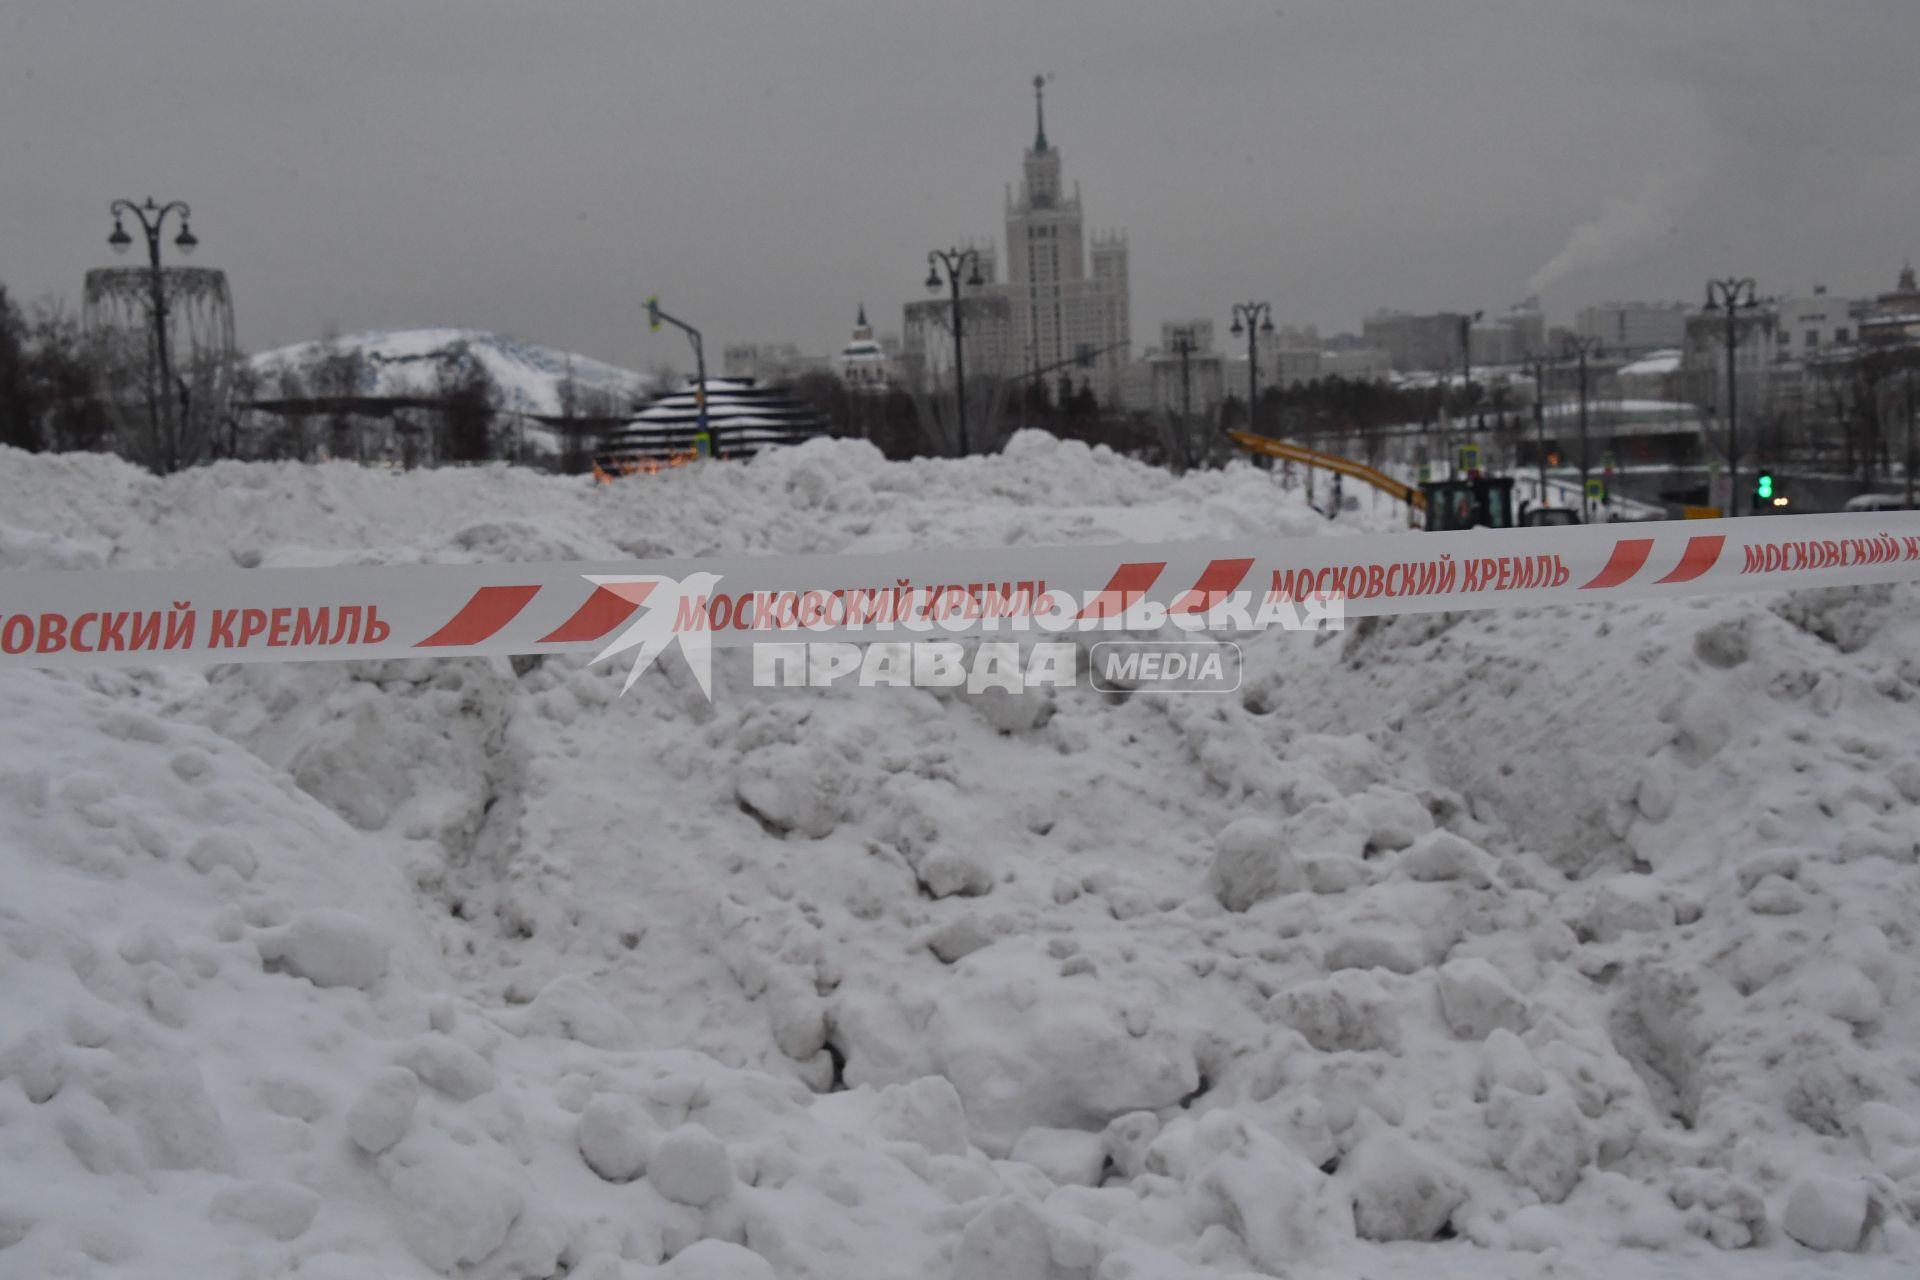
(1565, 942)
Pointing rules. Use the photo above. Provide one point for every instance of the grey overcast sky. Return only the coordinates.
(539, 166)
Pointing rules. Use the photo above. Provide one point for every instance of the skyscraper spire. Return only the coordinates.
(1039, 114)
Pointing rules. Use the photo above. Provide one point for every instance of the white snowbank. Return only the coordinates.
(1566, 943)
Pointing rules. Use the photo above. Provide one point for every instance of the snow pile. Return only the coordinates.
(1567, 943)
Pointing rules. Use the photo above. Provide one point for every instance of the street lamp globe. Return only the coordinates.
(973, 280)
(1236, 331)
(186, 241)
(120, 240)
(1266, 325)
(933, 280)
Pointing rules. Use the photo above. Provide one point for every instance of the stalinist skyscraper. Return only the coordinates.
(1060, 311)
(1055, 314)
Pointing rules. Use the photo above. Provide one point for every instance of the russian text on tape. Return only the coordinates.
(103, 618)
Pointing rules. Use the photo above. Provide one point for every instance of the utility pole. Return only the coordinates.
(1183, 347)
(1583, 347)
(1909, 467)
(1466, 377)
(1731, 293)
(1539, 364)
(953, 260)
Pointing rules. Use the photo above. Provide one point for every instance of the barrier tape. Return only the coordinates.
(89, 618)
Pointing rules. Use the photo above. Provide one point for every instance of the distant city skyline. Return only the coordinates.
(539, 172)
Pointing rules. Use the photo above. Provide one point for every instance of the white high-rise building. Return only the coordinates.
(1062, 311)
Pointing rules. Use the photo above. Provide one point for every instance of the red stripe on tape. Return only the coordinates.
(1701, 554)
(604, 610)
(490, 609)
(1629, 554)
(1128, 584)
(1217, 581)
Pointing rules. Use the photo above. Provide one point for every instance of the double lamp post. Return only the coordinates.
(152, 217)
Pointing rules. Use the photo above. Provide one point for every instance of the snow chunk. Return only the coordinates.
(1071, 1157)
(572, 1008)
(1250, 864)
(1720, 1207)
(222, 849)
(455, 1203)
(1441, 855)
(282, 1210)
(328, 948)
(1398, 1193)
(1253, 1183)
(717, 1260)
(926, 1112)
(1827, 1213)
(1507, 1063)
(947, 873)
(615, 1136)
(1349, 1010)
(1127, 1139)
(379, 1117)
(1395, 818)
(1476, 999)
(690, 1166)
(1010, 1237)
(961, 937)
(1542, 1142)
(448, 1066)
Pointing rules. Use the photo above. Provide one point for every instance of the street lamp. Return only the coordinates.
(1252, 318)
(1730, 294)
(1538, 364)
(1582, 347)
(151, 218)
(954, 261)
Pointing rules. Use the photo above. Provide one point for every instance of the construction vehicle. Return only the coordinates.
(1469, 502)
(1466, 502)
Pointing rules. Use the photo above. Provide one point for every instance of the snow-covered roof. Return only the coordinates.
(1653, 365)
(410, 362)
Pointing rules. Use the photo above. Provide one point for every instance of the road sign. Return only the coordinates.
(1426, 472)
(1470, 457)
(1596, 489)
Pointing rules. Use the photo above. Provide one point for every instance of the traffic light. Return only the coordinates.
(1763, 487)
(653, 314)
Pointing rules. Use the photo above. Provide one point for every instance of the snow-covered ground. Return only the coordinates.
(1575, 943)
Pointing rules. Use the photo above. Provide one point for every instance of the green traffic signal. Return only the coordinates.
(653, 314)
(1763, 487)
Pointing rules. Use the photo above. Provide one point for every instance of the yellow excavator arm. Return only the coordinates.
(1332, 462)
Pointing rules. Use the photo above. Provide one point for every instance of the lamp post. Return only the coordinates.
(1183, 347)
(1730, 293)
(151, 217)
(1466, 379)
(1582, 348)
(1538, 363)
(1254, 318)
(703, 442)
(954, 260)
